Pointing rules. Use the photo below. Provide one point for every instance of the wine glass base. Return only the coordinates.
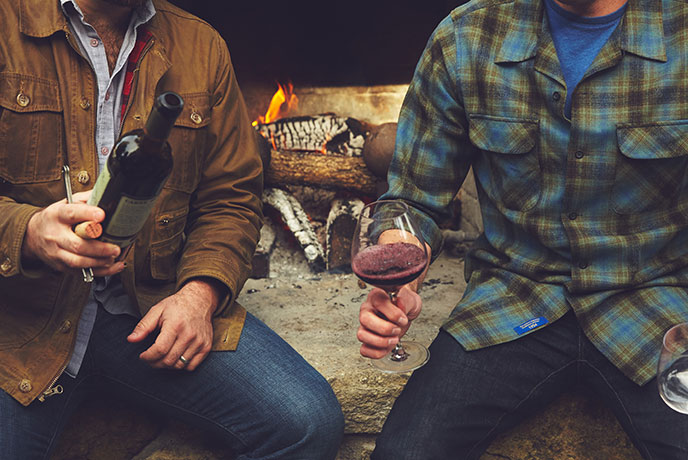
(417, 356)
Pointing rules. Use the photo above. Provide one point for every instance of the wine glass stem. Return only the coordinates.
(398, 354)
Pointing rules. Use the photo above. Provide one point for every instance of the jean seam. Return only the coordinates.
(623, 407)
(487, 435)
(580, 360)
(60, 418)
(174, 406)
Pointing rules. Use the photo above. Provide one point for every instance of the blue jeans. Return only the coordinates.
(264, 400)
(454, 406)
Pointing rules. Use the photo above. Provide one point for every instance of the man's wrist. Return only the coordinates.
(209, 290)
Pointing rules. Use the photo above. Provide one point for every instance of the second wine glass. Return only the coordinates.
(388, 251)
(672, 371)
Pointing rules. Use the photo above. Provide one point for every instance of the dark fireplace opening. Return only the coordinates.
(323, 43)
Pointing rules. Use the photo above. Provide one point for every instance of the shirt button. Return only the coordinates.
(22, 99)
(94, 42)
(83, 177)
(25, 386)
(66, 326)
(573, 216)
(583, 264)
(84, 103)
(107, 96)
(579, 154)
(6, 265)
(104, 151)
(556, 96)
(196, 118)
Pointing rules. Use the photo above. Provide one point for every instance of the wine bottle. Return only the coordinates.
(136, 170)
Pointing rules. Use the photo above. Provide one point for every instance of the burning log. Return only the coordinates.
(341, 224)
(331, 172)
(363, 172)
(325, 133)
(296, 219)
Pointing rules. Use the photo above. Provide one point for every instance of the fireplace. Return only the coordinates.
(350, 59)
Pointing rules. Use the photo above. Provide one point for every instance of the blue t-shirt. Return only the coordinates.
(578, 40)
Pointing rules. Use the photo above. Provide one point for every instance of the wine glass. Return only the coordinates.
(388, 251)
(672, 371)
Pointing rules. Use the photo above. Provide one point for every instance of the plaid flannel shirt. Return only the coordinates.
(588, 213)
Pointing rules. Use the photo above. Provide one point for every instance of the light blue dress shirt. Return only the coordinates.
(105, 291)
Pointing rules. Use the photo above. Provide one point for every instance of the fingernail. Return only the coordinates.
(396, 331)
(391, 341)
(403, 321)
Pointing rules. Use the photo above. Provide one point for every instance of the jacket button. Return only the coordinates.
(84, 103)
(6, 265)
(196, 118)
(66, 326)
(22, 99)
(25, 386)
(83, 177)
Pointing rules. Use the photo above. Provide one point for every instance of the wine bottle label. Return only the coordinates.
(99, 187)
(129, 216)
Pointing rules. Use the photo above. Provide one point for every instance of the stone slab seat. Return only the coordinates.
(318, 316)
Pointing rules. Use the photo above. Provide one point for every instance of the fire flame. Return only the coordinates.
(282, 102)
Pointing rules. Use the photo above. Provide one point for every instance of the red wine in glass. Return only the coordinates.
(389, 266)
(388, 252)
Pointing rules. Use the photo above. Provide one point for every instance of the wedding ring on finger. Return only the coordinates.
(183, 360)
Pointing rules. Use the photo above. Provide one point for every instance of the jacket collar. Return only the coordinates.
(41, 18)
(641, 31)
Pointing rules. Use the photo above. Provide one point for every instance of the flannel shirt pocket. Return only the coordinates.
(509, 168)
(650, 172)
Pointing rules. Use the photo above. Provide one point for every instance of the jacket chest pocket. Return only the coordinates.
(166, 243)
(650, 172)
(31, 129)
(508, 167)
(188, 141)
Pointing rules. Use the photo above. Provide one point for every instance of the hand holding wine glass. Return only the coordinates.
(388, 252)
(672, 371)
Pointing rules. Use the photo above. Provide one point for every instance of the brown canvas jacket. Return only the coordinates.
(206, 221)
